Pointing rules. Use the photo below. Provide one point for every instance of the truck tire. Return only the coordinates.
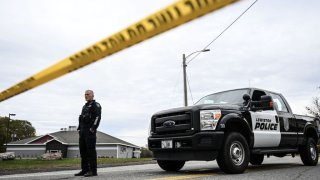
(233, 158)
(171, 165)
(309, 153)
(256, 159)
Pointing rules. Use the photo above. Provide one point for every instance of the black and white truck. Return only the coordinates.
(234, 127)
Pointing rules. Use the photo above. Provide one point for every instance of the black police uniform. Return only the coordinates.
(89, 118)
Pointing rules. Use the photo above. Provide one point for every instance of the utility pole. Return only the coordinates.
(8, 125)
(184, 66)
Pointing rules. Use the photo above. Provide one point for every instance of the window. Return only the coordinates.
(256, 95)
(278, 101)
(226, 97)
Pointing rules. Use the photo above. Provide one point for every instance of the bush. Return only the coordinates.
(145, 153)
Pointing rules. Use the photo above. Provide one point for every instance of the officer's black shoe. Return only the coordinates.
(90, 173)
(81, 173)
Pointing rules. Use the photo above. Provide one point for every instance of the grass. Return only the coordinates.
(69, 163)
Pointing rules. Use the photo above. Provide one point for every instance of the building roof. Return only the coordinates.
(70, 138)
(24, 141)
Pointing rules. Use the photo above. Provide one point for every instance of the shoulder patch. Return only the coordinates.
(98, 105)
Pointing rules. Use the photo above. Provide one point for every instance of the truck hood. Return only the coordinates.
(199, 107)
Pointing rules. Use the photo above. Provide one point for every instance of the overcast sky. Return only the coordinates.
(274, 46)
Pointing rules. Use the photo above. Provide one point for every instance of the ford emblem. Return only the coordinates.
(169, 123)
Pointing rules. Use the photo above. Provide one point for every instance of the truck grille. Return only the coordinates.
(173, 123)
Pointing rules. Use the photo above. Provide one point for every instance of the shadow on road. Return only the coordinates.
(251, 168)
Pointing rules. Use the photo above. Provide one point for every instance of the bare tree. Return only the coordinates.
(314, 109)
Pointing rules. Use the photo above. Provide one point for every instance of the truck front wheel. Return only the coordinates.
(171, 165)
(234, 155)
(309, 153)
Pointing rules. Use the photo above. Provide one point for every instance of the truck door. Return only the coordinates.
(265, 125)
(288, 124)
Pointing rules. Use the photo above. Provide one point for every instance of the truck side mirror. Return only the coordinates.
(266, 102)
(246, 98)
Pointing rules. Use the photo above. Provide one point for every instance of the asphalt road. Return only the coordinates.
(272, 168)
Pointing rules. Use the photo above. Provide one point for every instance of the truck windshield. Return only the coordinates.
(226, 97)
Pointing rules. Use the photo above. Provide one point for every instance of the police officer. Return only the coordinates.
(88, 123)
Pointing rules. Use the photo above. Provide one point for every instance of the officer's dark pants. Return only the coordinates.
(88, 153)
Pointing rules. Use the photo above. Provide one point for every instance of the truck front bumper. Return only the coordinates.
(200, 146)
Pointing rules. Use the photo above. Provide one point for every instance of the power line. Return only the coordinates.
(174, 93)
(206, 49)
(189, 88)
(224, 30)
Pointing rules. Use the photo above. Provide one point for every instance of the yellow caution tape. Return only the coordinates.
(169, 17)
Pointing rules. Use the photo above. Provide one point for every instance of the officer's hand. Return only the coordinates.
(92, 130)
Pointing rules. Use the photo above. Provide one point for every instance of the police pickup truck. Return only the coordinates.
(234, 127)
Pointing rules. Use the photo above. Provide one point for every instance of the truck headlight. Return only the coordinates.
(209, 119)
